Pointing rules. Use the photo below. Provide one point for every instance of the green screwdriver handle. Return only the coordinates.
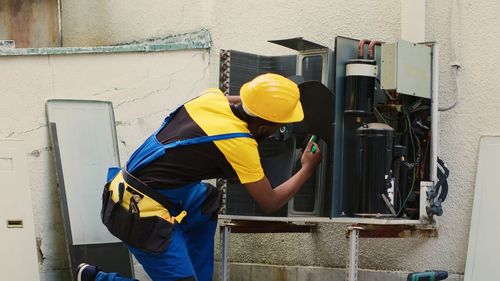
(313, 139)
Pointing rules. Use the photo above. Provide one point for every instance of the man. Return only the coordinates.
(158, 204)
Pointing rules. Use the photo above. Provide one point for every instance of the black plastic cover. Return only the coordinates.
(298, 43)
(318, 103)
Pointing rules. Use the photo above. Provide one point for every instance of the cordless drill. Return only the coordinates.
(431, 275)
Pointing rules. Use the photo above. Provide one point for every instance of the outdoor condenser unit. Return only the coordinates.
(381, 157)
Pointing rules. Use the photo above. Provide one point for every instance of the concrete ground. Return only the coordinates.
(261, 272)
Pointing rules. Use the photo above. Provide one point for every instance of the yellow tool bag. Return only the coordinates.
(137, 214)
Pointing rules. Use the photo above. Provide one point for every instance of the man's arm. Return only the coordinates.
(234, 99)
(270, 199)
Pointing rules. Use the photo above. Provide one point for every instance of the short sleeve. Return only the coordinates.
(212, 112)
(243, 156)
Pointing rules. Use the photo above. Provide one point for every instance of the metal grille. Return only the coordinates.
(237, 68)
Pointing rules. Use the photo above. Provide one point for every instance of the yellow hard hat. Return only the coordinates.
(272, 97)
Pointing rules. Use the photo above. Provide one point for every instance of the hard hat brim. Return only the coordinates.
(296, 116)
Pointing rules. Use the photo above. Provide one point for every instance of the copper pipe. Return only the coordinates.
(361, 48)
(371, 48)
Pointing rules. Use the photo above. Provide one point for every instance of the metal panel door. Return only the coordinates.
(83, 136)
(17, 232)
(484, 249)
(85, 146)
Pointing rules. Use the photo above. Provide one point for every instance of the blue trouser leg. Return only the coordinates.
(200, 242)
(172, 264)
(190, 254)
(104, 276)
(199, 230)
(191, 250)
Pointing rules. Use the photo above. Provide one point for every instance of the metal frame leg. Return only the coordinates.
(352, 270)
(224, 252)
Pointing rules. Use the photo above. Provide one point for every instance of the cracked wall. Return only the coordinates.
(246, 26)
(143, 89)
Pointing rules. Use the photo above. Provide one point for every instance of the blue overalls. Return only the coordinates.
(190, 254)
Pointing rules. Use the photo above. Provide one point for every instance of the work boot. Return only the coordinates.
(86, 272)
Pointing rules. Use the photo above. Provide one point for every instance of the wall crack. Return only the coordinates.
(32, 130)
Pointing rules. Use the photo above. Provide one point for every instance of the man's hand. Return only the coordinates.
(270, 199)
(310, 160)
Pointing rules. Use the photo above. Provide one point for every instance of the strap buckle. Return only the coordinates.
(175, 219)
(180, 216)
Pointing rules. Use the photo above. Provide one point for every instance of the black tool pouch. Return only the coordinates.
(148, 233)
(213, 201)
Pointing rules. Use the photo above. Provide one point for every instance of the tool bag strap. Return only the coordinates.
(150, 192)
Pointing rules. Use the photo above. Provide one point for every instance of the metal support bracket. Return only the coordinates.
(353, 238)
(242, 226)
(225, 232)
(354, 233)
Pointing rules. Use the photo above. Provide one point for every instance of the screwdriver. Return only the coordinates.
(313, 139)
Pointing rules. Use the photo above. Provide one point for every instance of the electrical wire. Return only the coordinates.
(381, 116)
(423, 107)
(416, 158)
(409, 194)
(384, 90)
(425, 156)
(414, 106)
(416, 149)
(384, 117)
(407, 117)
(411, 136)
(454, 38)
(456, 68)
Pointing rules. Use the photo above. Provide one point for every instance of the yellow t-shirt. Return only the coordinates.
(211, 111)
(207, 115)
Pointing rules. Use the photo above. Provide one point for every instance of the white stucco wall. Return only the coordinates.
(246, 26)
(240, 25)
(143, 88)
(476, 28)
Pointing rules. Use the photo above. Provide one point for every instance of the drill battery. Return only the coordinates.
(431, 275)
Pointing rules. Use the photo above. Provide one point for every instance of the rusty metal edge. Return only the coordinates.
(242, 226)
(366, 230)
(194, 40)
(395, 231)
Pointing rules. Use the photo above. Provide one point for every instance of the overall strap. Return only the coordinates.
(150, 149)
(205, 139)
(167, 119)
